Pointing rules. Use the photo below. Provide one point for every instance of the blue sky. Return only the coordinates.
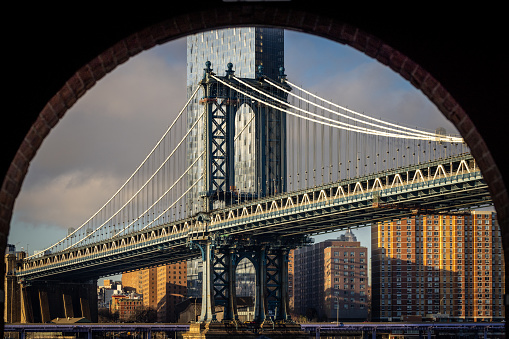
(104, 137)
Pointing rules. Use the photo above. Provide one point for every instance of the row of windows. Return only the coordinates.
(352, 254)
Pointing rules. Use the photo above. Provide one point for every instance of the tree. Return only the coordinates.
(105, 316)
(143, 314)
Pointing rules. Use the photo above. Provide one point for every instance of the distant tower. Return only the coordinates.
(440, 131)
(348, 236)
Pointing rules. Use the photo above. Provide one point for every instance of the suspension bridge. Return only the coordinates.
(251, 168)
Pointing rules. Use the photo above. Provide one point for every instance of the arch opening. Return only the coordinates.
(349, 35)
(245, 278)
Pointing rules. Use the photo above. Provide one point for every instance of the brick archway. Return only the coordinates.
(241, 14)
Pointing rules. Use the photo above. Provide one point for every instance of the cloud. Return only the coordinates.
(66, 200)
(102, 139)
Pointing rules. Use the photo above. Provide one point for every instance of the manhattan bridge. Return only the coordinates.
(264, 166)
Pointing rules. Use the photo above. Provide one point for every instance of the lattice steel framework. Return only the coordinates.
(221, 104)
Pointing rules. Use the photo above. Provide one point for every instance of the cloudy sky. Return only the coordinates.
(105, 136)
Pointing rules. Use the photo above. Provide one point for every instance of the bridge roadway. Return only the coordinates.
(311, 328)
(444, 185)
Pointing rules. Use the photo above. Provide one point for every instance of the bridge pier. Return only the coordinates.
(269, 256)
(44, 301)
(68, 308)
(220, 259)
(207, 305)
(260, 286)
(224, 289)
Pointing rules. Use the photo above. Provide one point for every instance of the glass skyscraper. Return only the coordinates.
(246, 48)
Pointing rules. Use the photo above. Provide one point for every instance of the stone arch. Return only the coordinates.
(314, 18)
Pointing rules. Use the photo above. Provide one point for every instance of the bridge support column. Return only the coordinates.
(68, 307)
(27, 315)
(224, 283)
(232, 293)
(44, 306)
(277, 283)
(207, 304)
(261, 286)
(13, 299)
(285, 300)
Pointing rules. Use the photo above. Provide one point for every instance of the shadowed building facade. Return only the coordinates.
(331, 280)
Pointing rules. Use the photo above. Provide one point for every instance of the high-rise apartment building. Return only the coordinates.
(149, 287)
(246, 48)
(443, 265)
(171, 290)
(331, 280)
(162, 288)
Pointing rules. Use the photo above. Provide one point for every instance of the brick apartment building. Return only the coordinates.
(331, 280)
(444, 265)
(162, 287)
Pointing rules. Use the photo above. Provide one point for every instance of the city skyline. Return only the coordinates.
(83, 161)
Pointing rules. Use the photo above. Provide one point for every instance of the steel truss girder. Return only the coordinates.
(466, 190)
(340, 217)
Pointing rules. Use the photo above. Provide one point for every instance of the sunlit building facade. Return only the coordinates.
(291, 275)
(162, 287)
(447, 266)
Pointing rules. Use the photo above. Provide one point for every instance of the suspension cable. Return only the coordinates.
(159, 199)
(352, 127)
(70, 235)
(416, 133)
(183, 194)
(144, 185)
(349, 128)
(354, 112)
(243, 128)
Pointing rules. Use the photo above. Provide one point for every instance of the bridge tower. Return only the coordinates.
(222, 102)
